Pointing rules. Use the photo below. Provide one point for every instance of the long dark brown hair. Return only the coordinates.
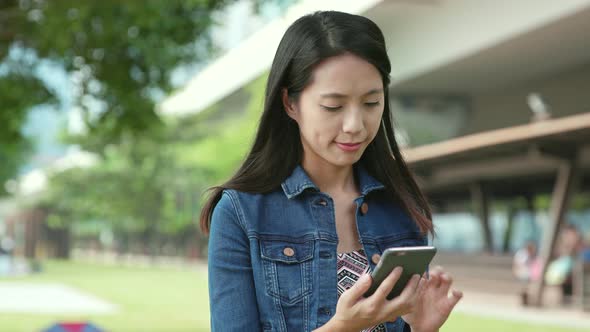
(277, 148)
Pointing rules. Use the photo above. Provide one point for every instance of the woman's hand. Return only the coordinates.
(355, 312)
(434, 304)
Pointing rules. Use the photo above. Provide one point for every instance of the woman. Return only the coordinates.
(323, 188)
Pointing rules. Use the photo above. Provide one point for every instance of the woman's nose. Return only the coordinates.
(353, 121)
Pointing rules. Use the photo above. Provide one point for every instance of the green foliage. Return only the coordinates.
(121, 57)
(224, 147)
(151, 186)
(19, 91)
(12, 156)
(120, 54)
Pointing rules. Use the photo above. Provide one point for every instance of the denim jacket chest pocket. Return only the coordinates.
(287, 268)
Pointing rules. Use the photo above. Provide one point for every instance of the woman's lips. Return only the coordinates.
(349, 147)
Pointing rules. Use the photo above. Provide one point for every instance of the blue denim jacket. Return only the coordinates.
(257, 285)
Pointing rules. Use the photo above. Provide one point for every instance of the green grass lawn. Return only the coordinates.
(172, 300)
(150, 299)
(463, 323)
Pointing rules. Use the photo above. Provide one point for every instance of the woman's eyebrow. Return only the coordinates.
(341, 95)
(374, 91)
(333, 95)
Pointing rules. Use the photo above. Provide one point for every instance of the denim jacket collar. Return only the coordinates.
(299, 181)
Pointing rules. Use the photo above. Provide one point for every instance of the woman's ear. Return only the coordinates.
(289, 105)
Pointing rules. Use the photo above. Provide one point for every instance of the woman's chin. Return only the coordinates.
(346, 160)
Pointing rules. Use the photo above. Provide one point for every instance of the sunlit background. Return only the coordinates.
(116, 116)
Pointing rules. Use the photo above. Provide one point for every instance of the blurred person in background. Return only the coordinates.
(324, 190)
(560, 270)
(526, 267)
(6, 255)
(522, 264)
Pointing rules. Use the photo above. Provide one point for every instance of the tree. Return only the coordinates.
(150, 191)
(122, 56)
(19, 91)
(121, 53)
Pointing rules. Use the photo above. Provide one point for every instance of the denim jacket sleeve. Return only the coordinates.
(232, 298)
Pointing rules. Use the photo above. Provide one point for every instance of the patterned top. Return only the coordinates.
(351, 266)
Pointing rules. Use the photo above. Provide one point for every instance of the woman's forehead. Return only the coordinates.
(344, 75)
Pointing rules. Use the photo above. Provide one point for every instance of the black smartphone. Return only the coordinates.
(414, 260)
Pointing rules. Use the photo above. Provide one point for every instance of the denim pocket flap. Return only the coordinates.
(285, 251)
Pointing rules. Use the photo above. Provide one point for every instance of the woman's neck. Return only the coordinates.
(330, 178)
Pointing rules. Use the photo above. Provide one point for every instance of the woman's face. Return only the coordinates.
(339, 112)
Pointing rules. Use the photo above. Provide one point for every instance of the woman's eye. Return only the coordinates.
(372, 104)
(331, 108)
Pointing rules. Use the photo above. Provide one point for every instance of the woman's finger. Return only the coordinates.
(404, 302)
(411, 286)
(414, 294)
(421, 286)
(436, 270)
(445, 284)
(454, 298)
(351, 296)
(434, 281)
(388, 284)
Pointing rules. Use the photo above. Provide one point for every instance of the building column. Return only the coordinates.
(565, 182)
(480, 202)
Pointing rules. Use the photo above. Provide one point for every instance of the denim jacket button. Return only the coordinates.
(364, 208)
(375, 258)
(288, 251)
(322, 202)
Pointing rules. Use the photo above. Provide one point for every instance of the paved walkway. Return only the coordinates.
(43, 298)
